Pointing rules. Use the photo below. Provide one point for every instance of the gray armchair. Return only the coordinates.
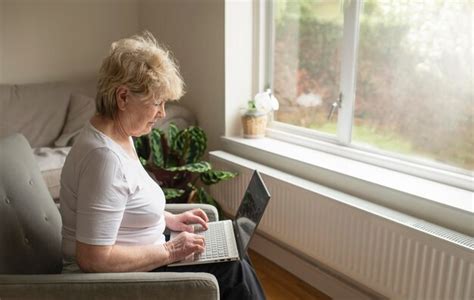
(30, 245)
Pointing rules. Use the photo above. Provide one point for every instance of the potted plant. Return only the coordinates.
(254, 118)
(174, 160)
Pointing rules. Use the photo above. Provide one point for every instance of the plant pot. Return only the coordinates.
(254, 125)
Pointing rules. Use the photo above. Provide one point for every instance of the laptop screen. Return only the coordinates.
(251, 210)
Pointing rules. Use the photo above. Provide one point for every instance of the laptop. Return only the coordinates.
(228, 240)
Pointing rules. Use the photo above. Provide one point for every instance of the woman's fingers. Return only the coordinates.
(185, 244)
(195, 216)
(200, 240)
(198, 216)
(195, 239)
(199, 249)
(198, 243)
(200, 213)
(198, 220)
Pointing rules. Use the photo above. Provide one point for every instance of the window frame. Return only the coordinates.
(341, 143)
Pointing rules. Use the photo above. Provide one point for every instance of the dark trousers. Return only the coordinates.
(237, 279)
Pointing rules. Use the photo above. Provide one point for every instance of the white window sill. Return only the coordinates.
(435, 202)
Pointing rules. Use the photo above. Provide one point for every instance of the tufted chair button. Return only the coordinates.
(26, 241)
(31, 182)
(46, 218)
(7, 200)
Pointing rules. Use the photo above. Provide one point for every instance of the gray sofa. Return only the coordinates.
(30, 245)
(51, 115)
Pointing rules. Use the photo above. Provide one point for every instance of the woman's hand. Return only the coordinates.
(183, 221)
(184, 245)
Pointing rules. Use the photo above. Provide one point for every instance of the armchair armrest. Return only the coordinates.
(210, 210)
(138, 285)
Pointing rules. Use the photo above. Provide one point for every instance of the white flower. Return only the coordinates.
(309, 100)
(266, 101)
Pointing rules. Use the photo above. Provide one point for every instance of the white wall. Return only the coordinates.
(240, 45)
(194, 31)
(53, 40)
(1, 38)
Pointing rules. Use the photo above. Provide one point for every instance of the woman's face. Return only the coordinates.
(140, 113)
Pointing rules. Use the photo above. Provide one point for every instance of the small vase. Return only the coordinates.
(254, 124)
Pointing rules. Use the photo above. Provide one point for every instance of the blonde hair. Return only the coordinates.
(142, 65)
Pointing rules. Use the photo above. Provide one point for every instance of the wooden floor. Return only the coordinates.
(280, 284)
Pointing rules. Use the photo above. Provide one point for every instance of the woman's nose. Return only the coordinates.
(161, 112)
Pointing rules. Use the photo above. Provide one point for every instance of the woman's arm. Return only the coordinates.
(102, 197)
(102, 259)
(117, 258)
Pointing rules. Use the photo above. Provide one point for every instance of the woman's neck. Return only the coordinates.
(111, 128)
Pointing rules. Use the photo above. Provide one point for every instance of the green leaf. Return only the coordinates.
(142, 161)
(190, 144)
(157, 148)
(197, 144)
(173, 131)
(180, 143)
(142, 147)
(171, 193)
(138, 143)
(214, 176)
(199, 167)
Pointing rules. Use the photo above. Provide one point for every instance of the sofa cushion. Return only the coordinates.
(50, 162)
(52, 178)
(38, 111)
(30, 231)
(81, 109)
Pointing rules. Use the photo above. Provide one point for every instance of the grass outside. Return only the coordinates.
(368, 136)
(375, 138)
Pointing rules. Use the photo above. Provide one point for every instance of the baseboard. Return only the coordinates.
(309, 272)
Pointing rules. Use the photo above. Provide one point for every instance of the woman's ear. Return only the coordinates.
(121, 97)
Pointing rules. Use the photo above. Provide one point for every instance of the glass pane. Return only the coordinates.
(414, 80)
(308, 38)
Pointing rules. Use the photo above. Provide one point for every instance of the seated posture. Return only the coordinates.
(112, 211)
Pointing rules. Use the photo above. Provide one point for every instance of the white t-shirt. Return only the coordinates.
(107, 197)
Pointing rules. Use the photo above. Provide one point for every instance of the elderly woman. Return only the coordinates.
(112, 211)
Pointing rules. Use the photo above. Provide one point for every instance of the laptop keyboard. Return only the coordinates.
(216, 245)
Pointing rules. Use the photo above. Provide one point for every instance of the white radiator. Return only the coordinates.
(391, 253)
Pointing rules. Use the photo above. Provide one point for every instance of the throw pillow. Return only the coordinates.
(81, 109)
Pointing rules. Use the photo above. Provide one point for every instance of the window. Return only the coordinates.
(391, 78)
